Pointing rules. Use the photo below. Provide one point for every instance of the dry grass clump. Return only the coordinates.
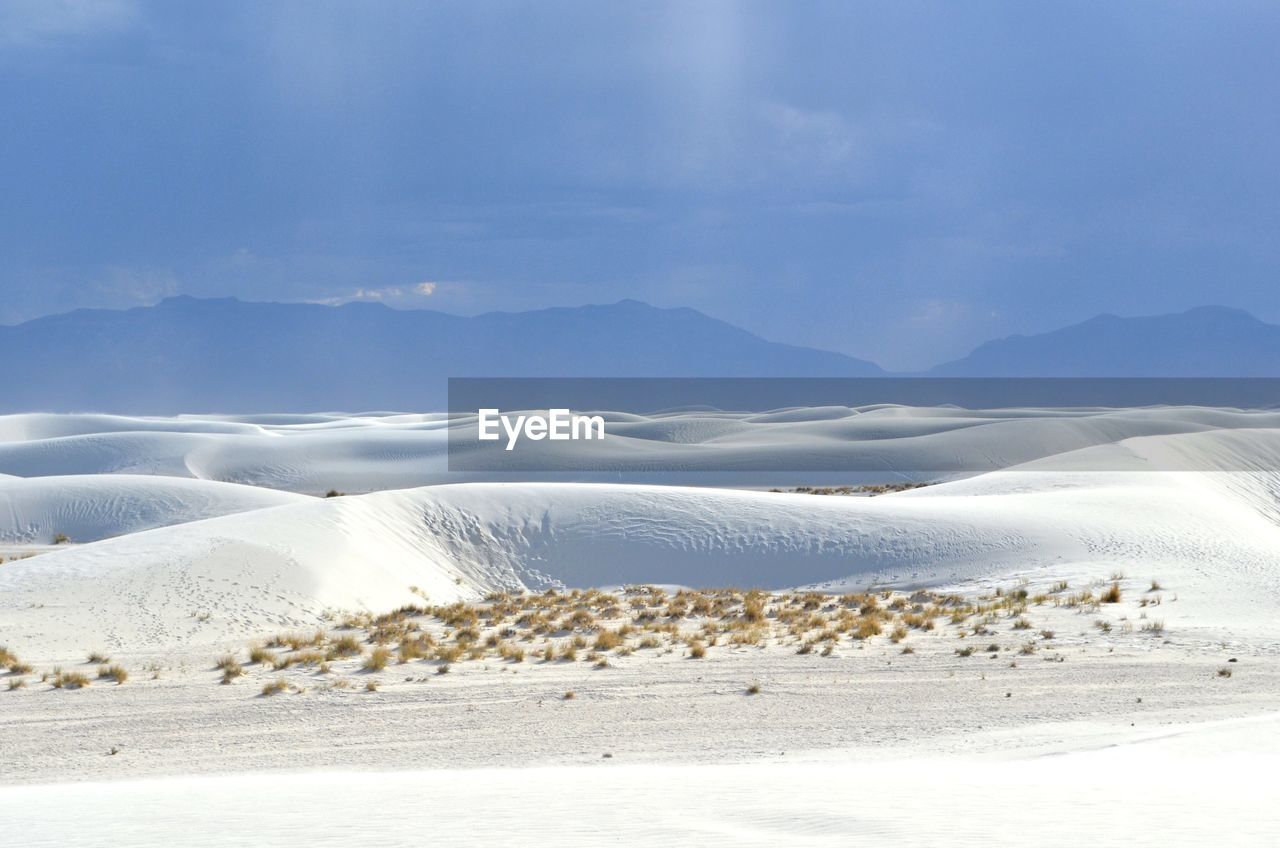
(309, 658)
(377, 659)
(697, 650)
(345, 645)
(70, 680)
(607, 640)
(97, 658)
(115, 672)
(448, 653)
(17, 683)
(275, 687)
(1111, 595)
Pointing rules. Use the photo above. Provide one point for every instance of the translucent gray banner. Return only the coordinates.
(874, 428)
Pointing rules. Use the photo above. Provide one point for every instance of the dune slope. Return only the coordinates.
(1209, 538)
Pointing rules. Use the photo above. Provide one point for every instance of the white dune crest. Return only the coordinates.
(90, 508)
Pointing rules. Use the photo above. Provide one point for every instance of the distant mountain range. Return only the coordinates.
(225, 355)
(1208, 341)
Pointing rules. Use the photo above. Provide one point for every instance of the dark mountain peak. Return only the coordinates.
(1206, 341)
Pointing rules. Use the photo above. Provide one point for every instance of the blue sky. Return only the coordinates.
(898, 181)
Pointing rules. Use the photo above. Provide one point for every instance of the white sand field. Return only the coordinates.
(191, 537)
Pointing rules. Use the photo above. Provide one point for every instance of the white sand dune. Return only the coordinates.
(90, 508)
(1209, 538)
(360, 453)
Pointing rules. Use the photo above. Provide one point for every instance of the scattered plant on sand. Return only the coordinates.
(275, 687)
(115, 672)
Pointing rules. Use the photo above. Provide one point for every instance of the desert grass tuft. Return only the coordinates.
(275, 687)
(115, 672)
(377, 659)
(70, 680)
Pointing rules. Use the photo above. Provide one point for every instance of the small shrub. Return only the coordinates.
(1111, 595)
(17, 683)
(966, 651)
(308, 658)
(377, 659)
(98, 657)
(275, 687)
(227, 662)
(70, 680)
(697, 650)
(753, 689)
(61, 539)
(570, 695)
(345, 645)
(371, 686)
(448, 653)
(1224, 672)
(607, 640)
(115, 672)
